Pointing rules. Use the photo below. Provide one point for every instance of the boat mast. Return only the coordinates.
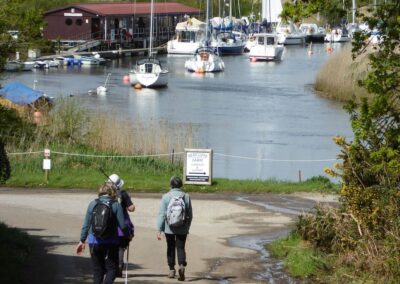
(207, 21)
(151, 28)
(353, 12)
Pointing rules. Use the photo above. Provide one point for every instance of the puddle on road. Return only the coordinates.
(273, 271)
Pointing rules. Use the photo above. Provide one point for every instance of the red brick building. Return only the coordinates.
(114, 22)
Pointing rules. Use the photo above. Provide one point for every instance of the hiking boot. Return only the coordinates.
(181, 272)
(172, 273)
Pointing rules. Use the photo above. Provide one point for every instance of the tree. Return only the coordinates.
(370, 170)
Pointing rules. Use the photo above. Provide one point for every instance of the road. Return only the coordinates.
(54, 218)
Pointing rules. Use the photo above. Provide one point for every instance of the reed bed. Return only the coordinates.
(338, 78)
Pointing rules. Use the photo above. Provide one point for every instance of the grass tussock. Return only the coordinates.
(338, 78)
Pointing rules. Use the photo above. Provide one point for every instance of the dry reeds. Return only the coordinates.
(138, 137)
(338, 78)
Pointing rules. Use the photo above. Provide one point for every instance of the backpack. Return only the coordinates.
(103, 220)
(176, 211)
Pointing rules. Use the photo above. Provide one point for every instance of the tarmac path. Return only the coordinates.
(54, 218)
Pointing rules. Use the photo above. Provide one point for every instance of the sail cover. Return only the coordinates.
(271, 9)
(191, 24)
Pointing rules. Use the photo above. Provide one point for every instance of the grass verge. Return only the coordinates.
(300, 259)
(139, 174)
(15, 247)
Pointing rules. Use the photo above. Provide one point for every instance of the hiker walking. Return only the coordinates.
(127, 205)
(174, 219)
(103, 216)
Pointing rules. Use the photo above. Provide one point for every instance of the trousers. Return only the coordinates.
(176, 243)
(105, 262)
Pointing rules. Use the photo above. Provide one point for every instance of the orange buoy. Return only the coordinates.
(137, 86)
(37, 117)
(125, 79)
(200, 71)
(253, 59)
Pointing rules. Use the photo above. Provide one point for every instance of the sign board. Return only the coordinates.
(198, 166)
(46, 164)
(47, 153)
(73, 14)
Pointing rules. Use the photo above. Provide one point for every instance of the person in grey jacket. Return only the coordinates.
(175, 236)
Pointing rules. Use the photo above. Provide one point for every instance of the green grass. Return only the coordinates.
(15, 247)
(139, 174)
(299, 258)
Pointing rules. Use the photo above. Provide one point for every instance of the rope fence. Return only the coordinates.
(174, 154)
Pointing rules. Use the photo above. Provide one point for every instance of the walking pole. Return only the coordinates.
(126, 265)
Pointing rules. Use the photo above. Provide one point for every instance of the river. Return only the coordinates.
(261, 119)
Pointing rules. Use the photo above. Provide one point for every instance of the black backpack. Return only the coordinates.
(103, 221)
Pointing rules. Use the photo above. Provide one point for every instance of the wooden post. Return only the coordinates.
(172, 157)
(46, 176)
(299, 175)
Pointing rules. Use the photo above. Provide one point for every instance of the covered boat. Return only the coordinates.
(22, 95)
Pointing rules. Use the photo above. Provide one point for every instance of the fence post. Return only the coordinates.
(172, 156)
(299, 175)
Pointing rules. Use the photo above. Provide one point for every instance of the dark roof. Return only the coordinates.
(109, 9)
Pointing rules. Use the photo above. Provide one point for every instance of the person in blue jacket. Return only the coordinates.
(175, 236)
(103, 252)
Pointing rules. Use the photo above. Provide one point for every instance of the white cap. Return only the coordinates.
(116, 180)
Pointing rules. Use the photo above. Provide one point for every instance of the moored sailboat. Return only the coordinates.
(149, 72)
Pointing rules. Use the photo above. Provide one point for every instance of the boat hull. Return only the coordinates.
(153, 80)
(266, 54)
(177, 47)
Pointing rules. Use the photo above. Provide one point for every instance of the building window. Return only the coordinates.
(79, 22)
(68, 22)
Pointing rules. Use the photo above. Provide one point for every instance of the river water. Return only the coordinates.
(260, 118)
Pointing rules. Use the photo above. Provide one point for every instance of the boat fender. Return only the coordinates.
(137, 86)
(125, 79)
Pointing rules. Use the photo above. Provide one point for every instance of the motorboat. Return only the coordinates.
(17, 65)
(46, 64)
(87, 60)
(289, 34)
(267, 48)
(337, 35)
(205, 60)
(149, 72)
(313, 32)
(188, 37)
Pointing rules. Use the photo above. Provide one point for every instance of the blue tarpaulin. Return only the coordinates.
(20, 94)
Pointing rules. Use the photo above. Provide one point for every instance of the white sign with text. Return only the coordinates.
(198, 166)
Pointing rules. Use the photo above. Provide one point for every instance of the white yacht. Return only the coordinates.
(266, 48)
(289, 34)
(188, 37)
(149, 72)
(205, 60)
